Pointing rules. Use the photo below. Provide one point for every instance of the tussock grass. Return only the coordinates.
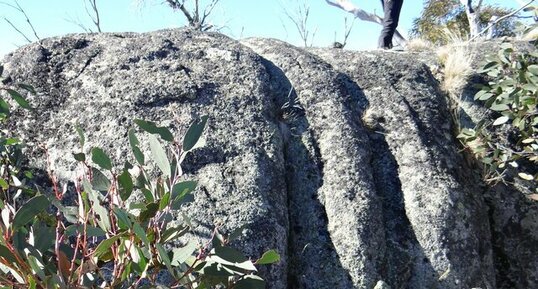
(456, 60)
(419, 44)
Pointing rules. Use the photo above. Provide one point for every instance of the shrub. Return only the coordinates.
(508, 141)
(118, 233)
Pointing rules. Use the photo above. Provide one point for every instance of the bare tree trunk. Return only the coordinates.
(473, 14)
(346, 5)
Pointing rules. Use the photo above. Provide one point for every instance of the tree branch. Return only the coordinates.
(95, 18)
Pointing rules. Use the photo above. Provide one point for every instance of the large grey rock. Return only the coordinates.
(353, 177)
(444, 208)
(105, 81)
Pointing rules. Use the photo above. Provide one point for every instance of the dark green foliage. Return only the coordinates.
(439, 16)
(508, 142)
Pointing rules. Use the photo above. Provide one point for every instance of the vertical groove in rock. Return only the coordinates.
(445, 211)
(353, 224)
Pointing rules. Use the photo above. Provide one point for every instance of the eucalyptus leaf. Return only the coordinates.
(180, 255)
(194, 133)
(126, 185)
(159, 156)
(501, 120)
(80, 157)
(133, 141)
(105, 246)
(27, 87)
(123, 219)
(152, 128)
(250, 282)
(533, 69)
(80, 133)
(19, 99)
(141, 233)
(268, 257)
(100, 182)
(29, 211)
(163, 255)
(101, 158)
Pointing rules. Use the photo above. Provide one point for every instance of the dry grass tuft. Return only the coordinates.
(456, 60)
(419, 44)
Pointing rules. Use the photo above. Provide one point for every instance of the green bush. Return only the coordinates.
(508, 142)
(118, 233)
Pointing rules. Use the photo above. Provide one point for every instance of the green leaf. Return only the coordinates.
(123, 219)
(4, 107)
(30, 210)
(148, 196)
(499, 107)
(27, 87)
(100, 182)
(159, 156)
(164, 256)
(80, 133)
(152, 128)
(179, 190)
(268, 257)
(37, 266)
(133, 141)
(232, 257)
(488, 66)
(19, 99)
(194, 133)
(95, 197)
(483, 95)
(140, 263)
(90, 231)
(3, 184)
(80, 157)
(126, 185)
(181, 193)
(173, 233)
(105, 246)
(533, 69)
(140, 233)
(501, 120)
(101, 159)
(149, 212)
(250, 282)
(6, 254)
(165, 201)
(180, 255)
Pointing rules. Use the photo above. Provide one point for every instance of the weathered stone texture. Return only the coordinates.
(344, 162)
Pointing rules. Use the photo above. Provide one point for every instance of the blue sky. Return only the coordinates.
(240, 18)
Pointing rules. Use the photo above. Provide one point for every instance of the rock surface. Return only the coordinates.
(344, 162)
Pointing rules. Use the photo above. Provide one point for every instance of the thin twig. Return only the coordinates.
(95, 17)
(19, 8)
(20, 32)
